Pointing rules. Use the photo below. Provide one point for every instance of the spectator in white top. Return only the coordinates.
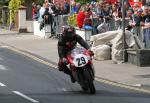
(41, 12)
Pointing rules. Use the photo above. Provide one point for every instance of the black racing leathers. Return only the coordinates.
(65, 46)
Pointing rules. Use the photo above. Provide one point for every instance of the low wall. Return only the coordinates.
(139, 57)
(85, 34)
(30, 27)
(44, 33)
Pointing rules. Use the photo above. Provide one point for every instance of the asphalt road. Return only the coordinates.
(23, 80)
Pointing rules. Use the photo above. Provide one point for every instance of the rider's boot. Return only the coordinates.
(67, 71)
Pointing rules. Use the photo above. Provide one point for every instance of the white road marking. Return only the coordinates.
(2, 67)
(62, 89)
(26, 97)
(138, 85)
(2, 85)
(4, 46)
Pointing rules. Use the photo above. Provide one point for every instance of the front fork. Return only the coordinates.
(78, 73)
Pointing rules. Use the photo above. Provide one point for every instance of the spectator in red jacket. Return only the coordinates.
(81, 17)
(34, 10)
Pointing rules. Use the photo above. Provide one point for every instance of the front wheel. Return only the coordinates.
(89, 80)
(84, 88)
(92, 87)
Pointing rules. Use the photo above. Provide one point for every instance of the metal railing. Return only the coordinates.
(145, 31)
(59, 21)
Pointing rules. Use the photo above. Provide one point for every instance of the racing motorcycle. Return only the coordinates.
(80, 63)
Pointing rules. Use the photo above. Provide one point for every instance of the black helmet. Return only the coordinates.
(68, 32)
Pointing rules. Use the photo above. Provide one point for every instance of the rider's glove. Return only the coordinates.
(65, 61)
(91, 52)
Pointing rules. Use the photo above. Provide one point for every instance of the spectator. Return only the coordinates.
(38, 12)
(116, 16)
(74, 8)
(148, 2)
(129, 15)
(127, 7)
(146, 14)
(55, 10)
(66, 7)
(81, 17)
(136, 7)
(106, 13)
(98, 8)
(47, 17)
(129, 18)
(41, 12)
(47, 1)
(115, 11)
(78, 5)
(62, 11)
(88, 12)
(88, 23)
(34, 11)
(138, 19)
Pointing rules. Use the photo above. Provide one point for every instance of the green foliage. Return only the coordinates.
(83, 1)
(72, 20)
(40, 2)
(0, 21)
(3, 2)
(13, 6)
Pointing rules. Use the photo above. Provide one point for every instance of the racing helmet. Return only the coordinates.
(68, 32)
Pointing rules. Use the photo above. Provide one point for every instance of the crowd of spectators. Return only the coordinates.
(53, 8)
(46, 13)
(96, 15)
(103, 13)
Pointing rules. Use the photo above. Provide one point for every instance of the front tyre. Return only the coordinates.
(91, 87)
(84, 88)
(89, 80)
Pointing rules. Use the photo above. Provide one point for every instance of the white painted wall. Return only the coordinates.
(22, 19)
(83, 34)
(29, 25)
(44, 33)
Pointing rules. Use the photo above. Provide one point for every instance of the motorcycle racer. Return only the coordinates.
(67, 42)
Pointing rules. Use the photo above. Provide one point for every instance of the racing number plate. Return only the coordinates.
(80, 60)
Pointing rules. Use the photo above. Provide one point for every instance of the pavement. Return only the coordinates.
(125, 73)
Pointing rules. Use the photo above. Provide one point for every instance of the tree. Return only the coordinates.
(13, 7)
(28, 4)
(83, 1)
(4, 2)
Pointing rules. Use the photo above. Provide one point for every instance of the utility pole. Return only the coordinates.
(123, 31)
